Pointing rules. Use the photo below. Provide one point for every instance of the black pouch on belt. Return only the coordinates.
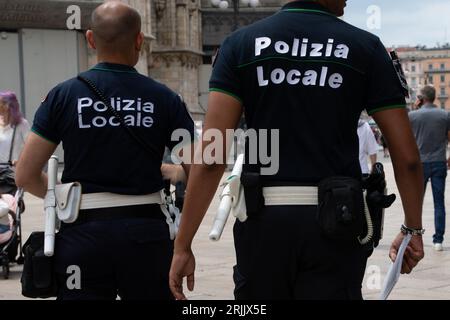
(38, 277)
(253, 191)
(341, 208)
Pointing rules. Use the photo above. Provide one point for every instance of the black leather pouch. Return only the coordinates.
(253, 191)
(38, 276)
(341, 208)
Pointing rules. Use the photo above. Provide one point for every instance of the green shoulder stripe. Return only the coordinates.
(227, 93)
(42, 136)
(310, 10)
(395, 106)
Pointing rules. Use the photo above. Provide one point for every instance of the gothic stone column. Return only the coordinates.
(177, 54)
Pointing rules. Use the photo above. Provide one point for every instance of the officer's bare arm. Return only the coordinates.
(396, 129)
(33, 158)
(178, 173)
(223, 113)
(187, 166)
(187, 169)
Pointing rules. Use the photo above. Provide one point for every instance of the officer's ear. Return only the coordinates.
(90, 39)
(140, 41)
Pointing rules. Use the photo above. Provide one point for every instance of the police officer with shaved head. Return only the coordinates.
(307, 234)
(114, 125)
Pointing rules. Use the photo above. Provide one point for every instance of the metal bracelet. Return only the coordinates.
(415, 232)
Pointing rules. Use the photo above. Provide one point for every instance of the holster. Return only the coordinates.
(180, 190)
(170, 210)
(340, 213)
(68, 201)
(253, 191)
(377, 200)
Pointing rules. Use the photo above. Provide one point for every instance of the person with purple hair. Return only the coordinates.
(14, 128)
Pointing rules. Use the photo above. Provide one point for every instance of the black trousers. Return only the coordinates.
(116, 256)
(281, 254)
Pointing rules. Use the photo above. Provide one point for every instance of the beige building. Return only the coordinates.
(437, 74)
(427, 67)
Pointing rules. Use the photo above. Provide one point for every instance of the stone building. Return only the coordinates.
(218, 23)
(42, 43)
(37, 49)
(177, 52)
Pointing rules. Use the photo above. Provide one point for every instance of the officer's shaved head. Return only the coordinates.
(115, 26)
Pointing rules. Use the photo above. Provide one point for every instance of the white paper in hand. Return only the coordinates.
(394, 271)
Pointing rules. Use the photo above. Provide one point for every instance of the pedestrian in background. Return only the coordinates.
(368, 146)
(14, 128)
(431, 127)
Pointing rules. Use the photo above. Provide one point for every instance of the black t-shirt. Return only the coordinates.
(310, 75)
(98, 152)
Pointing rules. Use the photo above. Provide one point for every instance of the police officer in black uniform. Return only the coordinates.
(120, 250)
(309, 74)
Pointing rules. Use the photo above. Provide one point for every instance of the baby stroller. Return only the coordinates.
(11, 208)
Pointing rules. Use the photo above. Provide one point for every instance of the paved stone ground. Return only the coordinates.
(430, 280)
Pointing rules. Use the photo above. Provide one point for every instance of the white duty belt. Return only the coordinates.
(307, 196)
(110, 200)
(290, 196)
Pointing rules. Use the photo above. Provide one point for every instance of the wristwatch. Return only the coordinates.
(415, 232)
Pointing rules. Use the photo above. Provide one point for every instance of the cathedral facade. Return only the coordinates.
(177, 50)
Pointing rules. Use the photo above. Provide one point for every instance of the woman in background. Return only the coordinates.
(14, 128)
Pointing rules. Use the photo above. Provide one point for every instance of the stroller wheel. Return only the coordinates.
(5, 268)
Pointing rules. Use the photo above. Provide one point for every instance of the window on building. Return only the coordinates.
(413, 68)
(443, 78)
(442, 66)
(442, 91)
(443, 104)
(413, 81)
(430, 66)
(430, 80)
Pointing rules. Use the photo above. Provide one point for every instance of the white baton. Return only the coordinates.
(50, 208)
(226, 201)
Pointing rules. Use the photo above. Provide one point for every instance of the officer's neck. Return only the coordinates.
(318, 1)
(323, 3)
(117, 59)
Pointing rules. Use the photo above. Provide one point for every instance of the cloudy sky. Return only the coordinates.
(404, 22)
